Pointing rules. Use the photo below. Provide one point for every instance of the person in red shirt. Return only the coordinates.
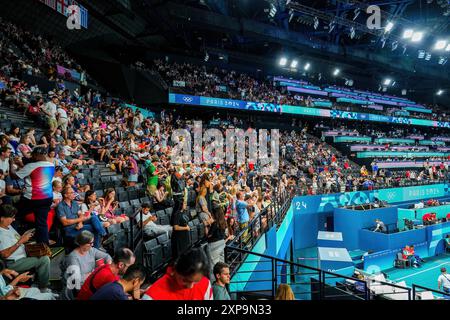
(107, 273)
(346, 165)
(426, 218)
(187, 279)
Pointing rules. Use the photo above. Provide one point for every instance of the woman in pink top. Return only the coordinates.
(108, 206)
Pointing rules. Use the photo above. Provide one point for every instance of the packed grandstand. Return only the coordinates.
(92, 207)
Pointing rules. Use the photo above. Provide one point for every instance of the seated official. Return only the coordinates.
(152, 229)
(380, 226)
(74, 220)
(82, 261)
(12, 249)
(408, 255)
(130, 283)
(417, 260)
(429, 219)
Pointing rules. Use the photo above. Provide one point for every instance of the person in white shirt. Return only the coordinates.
(12, 249)
(5, 153)
(152, 229)
(50, 109)
(444, 280)
(62, 119)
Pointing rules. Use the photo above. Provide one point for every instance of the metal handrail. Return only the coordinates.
(276, 262)
(415, 287)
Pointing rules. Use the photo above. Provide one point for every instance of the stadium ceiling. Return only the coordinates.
(324, 33)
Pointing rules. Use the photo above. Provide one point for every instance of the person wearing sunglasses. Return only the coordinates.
(80, 263)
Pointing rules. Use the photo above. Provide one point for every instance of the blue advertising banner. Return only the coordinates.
(327, 202)
(246, 105)
(310, 212)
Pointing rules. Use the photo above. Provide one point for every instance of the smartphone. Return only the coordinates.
(31, 230)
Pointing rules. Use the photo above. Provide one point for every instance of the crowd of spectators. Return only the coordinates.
(216, 82)
(41, 182)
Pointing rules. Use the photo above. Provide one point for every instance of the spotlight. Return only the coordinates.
(331, 26)
(428, 56)
(421, 54)
(439, 92)
(440, 45)
(387, 81)
(307, 66)
(336, 72)
(394, 45)
(404, 49)
(389, 27)
(294, 64)
(316, 23)
(393, 83)
(283, 61)
(273, 11)
(417, 36)
(404, 91)
(442, 60)
(408, 33)
(352, 32)
(448, 47)
(206, 57)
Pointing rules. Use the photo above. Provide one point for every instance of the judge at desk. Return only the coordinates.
(429, 219)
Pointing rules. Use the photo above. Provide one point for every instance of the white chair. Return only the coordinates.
(426, 295)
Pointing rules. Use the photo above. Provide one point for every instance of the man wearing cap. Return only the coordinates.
(38, 195)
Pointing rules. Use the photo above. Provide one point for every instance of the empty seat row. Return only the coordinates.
(157, 252)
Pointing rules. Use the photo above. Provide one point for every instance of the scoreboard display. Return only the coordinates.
(62, 6)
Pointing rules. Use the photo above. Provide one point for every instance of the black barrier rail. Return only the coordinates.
(271, 215)
(424, 293)
(306, 282)
(340, 287)
(401, 184)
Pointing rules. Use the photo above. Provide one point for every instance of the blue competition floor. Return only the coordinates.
(426, 275)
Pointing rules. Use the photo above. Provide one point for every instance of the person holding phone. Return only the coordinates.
(12, 249)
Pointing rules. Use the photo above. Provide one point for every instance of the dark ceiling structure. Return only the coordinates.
(253, 34)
